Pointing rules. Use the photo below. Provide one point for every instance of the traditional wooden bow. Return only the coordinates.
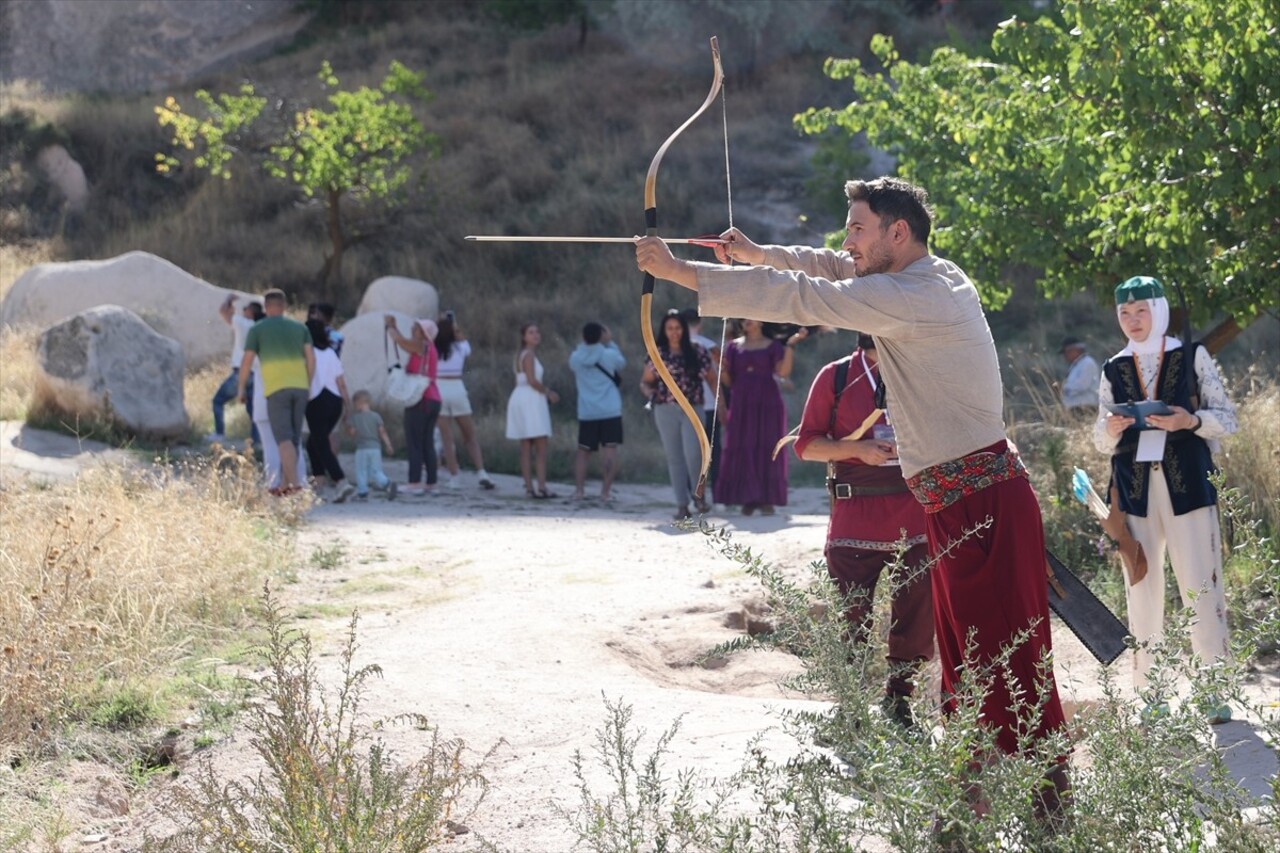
(646, 297)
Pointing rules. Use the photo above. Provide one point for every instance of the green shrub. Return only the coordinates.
(1139, 781)
(329, 783)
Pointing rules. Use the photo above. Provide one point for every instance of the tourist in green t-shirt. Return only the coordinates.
(287, 361)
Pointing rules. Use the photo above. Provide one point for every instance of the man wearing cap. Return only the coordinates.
(946, 400)
(1160, 472)
(873, 514)
(1080, 388)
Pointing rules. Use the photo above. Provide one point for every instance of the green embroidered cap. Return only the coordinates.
(1138, 288)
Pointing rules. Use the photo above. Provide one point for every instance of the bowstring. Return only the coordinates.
(728, 183)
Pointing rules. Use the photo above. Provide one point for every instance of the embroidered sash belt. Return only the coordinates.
(939, 486)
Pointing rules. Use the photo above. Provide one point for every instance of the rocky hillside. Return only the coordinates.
(136, 45)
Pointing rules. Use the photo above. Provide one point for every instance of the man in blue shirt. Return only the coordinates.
(596, 364)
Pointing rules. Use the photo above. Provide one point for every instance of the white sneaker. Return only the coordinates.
(454, 483)
(344, 492)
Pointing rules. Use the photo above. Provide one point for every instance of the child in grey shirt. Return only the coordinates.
(371, 436)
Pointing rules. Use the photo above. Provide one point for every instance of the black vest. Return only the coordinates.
(1187, 461)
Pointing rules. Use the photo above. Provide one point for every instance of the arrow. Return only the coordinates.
(710, 240)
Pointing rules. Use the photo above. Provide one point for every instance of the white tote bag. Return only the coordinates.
(403, 388)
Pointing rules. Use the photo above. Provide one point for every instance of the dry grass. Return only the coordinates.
(107, 580)
(197, 394)
(17, 377)
(1252, 460)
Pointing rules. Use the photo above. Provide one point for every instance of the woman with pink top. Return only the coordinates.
(420, 418)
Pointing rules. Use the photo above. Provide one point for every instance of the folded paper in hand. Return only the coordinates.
(1139, 411)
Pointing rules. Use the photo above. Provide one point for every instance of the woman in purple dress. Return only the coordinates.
(753, 366)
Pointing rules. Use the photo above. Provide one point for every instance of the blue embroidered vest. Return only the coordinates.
(1187, 461)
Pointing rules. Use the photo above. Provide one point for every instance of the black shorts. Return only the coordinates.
(593, 434)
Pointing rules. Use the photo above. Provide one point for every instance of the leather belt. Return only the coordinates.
(844, 491)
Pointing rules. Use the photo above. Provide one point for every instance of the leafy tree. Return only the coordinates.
(1121, 138)
(358, 146)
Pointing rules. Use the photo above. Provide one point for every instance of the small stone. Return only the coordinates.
(96, 838)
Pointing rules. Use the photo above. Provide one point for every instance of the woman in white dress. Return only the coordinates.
(528, 415)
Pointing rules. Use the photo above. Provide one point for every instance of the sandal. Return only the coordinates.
(543, 494)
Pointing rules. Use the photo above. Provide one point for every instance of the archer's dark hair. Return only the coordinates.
(592, 332)
(688, 353)
(319, 334)
(255, 308)
(892, 199)
(445, 336)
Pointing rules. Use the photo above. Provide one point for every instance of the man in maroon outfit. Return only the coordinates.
(873, 514)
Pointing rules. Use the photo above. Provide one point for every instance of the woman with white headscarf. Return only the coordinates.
(1160, 473)
(420, 418)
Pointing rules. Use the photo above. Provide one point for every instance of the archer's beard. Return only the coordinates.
(872, 265)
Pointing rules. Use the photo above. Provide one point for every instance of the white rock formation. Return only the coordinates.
(174, 302)
(107, 362)
(397, 293)
(62, 170)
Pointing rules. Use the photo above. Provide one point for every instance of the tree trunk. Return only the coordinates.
(331, 272)
(1214, 340)
(1220, 335)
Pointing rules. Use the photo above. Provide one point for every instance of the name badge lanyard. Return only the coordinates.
(1151, 442)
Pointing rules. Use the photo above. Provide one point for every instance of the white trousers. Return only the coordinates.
(1194, 544)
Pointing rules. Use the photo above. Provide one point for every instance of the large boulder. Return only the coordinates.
(171, 300)
(365, 356)
(107, 363)
(397, 293)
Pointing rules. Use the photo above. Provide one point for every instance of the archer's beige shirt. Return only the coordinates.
(936, 353)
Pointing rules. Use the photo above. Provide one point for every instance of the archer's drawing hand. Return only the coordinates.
(740, 248)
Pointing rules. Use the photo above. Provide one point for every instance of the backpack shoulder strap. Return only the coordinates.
(842, 381)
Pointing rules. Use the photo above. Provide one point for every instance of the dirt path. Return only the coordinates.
(502, 618)
(506, 620)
